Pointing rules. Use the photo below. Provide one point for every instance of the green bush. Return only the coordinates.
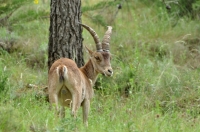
(183, 7)
(10, 119)
(3, 79)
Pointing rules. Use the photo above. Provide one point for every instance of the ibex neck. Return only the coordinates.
(89, 71)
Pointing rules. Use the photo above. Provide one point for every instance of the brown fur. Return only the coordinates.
(71, 87)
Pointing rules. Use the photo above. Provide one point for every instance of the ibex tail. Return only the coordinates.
(62, 72)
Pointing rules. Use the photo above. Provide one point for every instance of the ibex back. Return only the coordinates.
(71, 86)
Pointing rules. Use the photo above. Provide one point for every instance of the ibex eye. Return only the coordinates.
(97, 58)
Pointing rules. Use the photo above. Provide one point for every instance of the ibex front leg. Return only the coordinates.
(86, 108)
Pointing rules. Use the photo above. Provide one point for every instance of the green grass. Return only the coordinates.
(155, 63)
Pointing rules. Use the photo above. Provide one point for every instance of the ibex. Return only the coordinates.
(71, 86)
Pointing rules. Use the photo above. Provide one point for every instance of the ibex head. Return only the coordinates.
(101, 57)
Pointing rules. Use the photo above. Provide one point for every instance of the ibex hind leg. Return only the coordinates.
(54, 89)
(74, 106)
(53, 98)
(76, 102)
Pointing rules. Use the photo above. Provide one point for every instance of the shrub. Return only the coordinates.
(3, 80)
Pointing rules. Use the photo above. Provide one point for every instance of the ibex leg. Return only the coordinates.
(86, 108)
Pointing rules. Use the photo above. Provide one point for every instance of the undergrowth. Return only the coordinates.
(155, 86)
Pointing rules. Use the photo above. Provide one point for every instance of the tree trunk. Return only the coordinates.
(65, 33)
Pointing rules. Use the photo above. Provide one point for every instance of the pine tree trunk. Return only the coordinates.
(65, 34)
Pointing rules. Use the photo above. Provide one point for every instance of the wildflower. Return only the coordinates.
(36, 1)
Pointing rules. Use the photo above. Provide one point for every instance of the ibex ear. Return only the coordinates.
(89, 51)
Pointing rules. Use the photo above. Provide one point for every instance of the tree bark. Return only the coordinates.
(65, 33)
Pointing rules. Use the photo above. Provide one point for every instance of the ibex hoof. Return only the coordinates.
(73, 114)
(86, 123)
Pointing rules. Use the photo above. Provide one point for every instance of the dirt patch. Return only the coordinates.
(41, 92)
(187, 52)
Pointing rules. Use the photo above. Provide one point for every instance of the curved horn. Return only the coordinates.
(106, 39)
(95, 37)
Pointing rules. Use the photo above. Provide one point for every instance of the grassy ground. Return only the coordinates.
(155, 86)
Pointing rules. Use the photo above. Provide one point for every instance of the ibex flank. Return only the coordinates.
(70, 86)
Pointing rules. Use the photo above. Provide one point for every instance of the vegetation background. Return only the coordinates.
(156, 61)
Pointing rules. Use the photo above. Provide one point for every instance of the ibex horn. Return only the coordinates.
(95, 37)
(106, 39)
